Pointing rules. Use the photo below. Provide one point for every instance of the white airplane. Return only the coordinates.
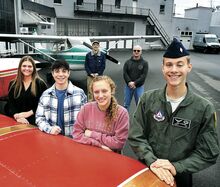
(71, 48)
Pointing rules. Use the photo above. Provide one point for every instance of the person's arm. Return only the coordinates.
(41, 121)
(23, 114)
(137, 135)
(87, 64)
(83, 98)
(143, 75)
(79, 129)
(206, 148)
(102, 67)
(125, 73)
(41, 87)
(116, 141)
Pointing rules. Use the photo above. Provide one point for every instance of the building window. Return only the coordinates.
(122, 29)
(79, 2)
(99, 5)
(43, 27)
(7, 17)
(49, 20)
(118, 4)
(162, 9)
(76, 27)
(57, 1)
(186, 33)
(150, 29)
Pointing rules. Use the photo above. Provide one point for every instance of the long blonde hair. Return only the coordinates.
(18, 81)
(112, 111)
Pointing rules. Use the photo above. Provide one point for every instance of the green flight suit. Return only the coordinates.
(187, 137)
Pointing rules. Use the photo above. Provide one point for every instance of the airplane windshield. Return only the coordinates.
(75, 41)
(62, 46)
(79, 41)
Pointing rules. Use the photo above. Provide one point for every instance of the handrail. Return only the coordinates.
(106, 8)
(159, 27)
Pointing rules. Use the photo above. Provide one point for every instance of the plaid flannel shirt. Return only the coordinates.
(46, 114)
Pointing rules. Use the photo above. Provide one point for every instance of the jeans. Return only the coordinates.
(129, 92)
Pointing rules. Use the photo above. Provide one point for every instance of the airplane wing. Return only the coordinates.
(30, 157)
(58, 39)
(32, 38)
(149, 38)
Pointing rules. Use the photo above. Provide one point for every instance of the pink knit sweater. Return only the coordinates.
(91, 118)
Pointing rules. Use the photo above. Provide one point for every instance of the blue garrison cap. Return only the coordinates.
(175, 50)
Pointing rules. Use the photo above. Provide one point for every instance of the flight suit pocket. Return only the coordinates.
(184, 140)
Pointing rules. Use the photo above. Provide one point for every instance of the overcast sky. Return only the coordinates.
(184, 4)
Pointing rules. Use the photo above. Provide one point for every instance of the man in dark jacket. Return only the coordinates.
(173, 130)
(94, 64)
(134, 72)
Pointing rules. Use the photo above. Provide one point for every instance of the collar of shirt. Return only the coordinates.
(69, 90)
(98, 54)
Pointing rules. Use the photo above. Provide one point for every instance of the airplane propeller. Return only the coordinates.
(112, 59)
(107, 56)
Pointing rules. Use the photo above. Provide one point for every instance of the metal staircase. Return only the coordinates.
(151, 18)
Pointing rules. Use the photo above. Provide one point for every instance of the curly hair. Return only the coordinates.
(112, 111)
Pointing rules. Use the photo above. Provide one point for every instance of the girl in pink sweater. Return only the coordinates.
(103, 122)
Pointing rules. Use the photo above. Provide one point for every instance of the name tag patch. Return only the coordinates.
(183, 123)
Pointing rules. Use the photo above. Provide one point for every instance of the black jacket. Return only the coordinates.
(135, 70)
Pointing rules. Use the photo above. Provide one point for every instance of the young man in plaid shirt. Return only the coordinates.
(60, 104)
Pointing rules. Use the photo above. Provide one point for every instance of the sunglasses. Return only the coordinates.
(136, 50)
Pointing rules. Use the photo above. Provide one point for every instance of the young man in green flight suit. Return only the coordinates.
(173, 130)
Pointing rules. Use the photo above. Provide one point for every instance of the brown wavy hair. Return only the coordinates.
(18, 81)
(112, 111)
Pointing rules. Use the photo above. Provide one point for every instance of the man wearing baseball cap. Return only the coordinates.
(94, 64)
(173, 130)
